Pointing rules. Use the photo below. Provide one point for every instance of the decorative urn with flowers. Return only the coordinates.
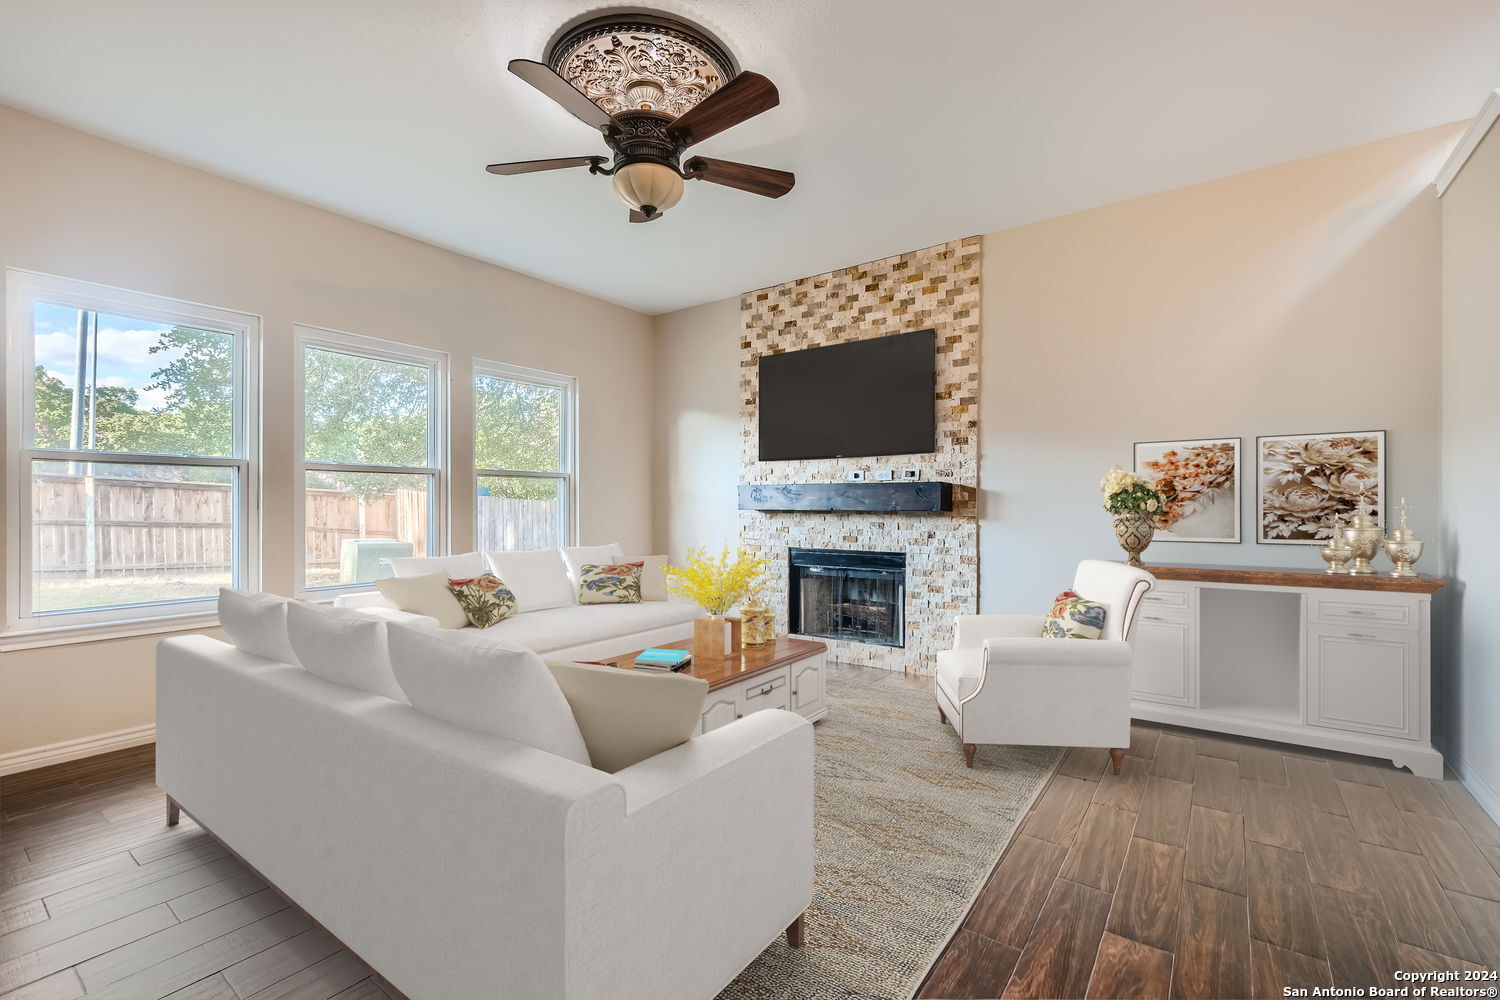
(1134, 504)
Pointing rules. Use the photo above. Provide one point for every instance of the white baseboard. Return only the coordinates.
(1477, 786)
(88, 746)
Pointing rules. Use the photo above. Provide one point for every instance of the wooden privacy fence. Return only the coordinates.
(138, 525)
(150, 525)
(510, 524)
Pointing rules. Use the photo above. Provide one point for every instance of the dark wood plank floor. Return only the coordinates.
(1229, 868)
(1211, 867)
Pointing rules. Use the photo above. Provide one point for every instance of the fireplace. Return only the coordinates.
(853, 596)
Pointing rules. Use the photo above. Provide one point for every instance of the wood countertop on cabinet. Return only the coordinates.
(1271, 577)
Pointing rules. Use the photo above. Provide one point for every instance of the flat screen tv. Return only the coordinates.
(867, 397)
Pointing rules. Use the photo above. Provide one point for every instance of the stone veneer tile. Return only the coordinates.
(937, 288)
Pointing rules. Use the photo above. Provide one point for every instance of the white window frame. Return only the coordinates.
(24, 289)
(436, 362)
(569, 445)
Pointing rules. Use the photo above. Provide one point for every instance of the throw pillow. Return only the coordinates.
(428, 595)
(256, 624)
(484, 600)
(344, 647)
(615, 583)
(653, 577)
(477, 682)
(627, 716)
(575, 557)
(538, 579)
(1073, 617)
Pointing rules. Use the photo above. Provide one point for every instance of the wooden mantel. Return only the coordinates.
(1266, 577)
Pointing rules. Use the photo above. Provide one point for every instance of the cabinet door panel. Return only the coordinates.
(807, 686)
(1364, 681)
(1165, 659)
(720, 709)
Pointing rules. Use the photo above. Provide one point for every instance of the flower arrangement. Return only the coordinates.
(1191, 478)
(1125, 491)
(717, 584)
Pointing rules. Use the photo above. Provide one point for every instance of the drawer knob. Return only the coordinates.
(1153, 618)
(1360, 635)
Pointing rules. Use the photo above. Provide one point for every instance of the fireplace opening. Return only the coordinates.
(842, 594)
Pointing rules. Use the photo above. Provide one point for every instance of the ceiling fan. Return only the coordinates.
(653, 87)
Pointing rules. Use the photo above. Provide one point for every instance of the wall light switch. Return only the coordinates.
(856, 475)
(884, 475)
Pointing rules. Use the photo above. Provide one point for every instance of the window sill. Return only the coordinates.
(61, 635)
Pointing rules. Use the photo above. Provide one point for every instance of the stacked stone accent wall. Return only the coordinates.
(936, 288)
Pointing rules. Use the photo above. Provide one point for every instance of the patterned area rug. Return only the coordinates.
(906, 836)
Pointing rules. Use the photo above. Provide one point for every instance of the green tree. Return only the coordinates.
(360, 410)
(111, 405)
(517, 426)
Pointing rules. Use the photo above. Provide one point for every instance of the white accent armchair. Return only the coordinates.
(1003, 683)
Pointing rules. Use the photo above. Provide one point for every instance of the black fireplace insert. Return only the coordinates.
(849, 595)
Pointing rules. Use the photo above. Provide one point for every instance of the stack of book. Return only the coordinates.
(664, 661)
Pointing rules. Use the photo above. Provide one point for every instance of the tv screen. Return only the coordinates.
(869, 397)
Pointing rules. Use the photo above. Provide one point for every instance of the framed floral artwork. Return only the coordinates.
(1309, 482)
(1199, 482)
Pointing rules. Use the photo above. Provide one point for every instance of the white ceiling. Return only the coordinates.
(907, 123)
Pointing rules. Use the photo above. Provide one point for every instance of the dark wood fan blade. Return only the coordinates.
(531, 166)
(763, 181)
(543, 78)
(741, 99)
(643, 217)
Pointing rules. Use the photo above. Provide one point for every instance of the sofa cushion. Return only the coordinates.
(344, 647)
(256, 624)
(466, 564)
(959, 670)
(627, 716)
(539, 579)
(1074, 617)
(497, 688)
(427, 594)
(612, 583)
(581, 624)
(576, 556)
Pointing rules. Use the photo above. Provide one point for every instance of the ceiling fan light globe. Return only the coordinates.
(653, 184)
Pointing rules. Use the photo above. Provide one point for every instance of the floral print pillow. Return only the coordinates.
(1073, 617)
(615, 583)
(485, 600)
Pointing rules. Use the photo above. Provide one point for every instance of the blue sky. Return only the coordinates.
(124, 343)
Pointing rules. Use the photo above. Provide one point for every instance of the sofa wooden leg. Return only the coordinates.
(1116, 756)
(969, 749)
(174, 812)
(797, 931)
(942, 716)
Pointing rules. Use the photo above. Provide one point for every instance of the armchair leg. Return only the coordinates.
(797, 931)
(942, 715)
(174, 812)
(969, 749)
(1116, 756)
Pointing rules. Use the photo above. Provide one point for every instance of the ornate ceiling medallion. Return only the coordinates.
(641, 62)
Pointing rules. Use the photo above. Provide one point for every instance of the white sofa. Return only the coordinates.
(463, 865)
(570, 632)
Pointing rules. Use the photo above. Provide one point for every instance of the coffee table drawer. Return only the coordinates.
(767, 690)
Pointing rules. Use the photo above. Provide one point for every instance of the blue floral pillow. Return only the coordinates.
(1073, 617)
(614, 583)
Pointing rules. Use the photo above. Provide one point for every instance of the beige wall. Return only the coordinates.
(1296, 299)
(1469, 697)
(81, 207)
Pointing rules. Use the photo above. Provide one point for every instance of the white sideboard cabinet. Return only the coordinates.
(1337, 662)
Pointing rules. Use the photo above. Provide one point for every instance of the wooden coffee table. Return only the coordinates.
(786, 673)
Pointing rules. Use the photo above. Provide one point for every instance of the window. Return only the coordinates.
(524, 451)
(372, 441)
(133, 476)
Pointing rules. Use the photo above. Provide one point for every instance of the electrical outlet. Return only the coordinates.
(911, 474)
(856, 475)
(884, 475)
